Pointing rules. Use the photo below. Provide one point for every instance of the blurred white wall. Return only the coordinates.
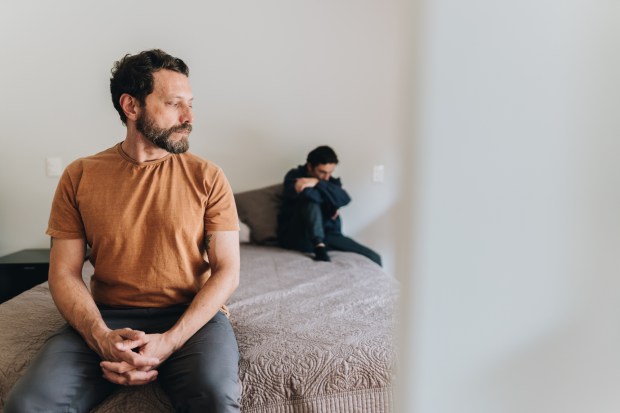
(515, 300)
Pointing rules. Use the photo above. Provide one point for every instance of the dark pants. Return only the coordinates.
(306, 229)
(200, 377)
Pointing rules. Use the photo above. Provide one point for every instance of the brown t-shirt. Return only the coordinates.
(145, 223)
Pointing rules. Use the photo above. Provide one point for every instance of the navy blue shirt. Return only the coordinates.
(329, 194)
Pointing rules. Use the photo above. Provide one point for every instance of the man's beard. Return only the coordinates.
(161, 137)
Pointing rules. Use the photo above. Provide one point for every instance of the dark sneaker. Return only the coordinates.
(320, 254)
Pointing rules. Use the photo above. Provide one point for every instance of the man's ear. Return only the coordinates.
(130, 106)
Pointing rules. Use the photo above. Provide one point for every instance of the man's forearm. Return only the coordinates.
(223, 254)
(77, 306)
(68, 290)
(209, 300)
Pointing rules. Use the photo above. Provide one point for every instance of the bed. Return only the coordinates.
(313, 336)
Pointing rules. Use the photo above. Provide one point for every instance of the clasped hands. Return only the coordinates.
(131, 357)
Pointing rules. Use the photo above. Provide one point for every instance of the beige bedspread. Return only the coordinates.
(313, 336)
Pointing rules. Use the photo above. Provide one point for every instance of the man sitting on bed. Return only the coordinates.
(309, 218)
(163, 231)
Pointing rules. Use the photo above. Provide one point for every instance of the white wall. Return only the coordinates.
(515, 300)
(272, 79)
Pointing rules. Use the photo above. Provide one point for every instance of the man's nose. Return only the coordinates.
(187, 116)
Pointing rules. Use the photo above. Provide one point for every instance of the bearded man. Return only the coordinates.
(163, 231)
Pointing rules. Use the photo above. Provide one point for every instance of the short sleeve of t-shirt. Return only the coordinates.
(65, 220)
(221, 212)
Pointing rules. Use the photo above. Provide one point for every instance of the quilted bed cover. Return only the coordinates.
(313, 336)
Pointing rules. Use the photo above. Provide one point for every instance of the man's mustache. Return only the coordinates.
(183, 127)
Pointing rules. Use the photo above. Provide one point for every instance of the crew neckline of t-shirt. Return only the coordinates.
(129, 159)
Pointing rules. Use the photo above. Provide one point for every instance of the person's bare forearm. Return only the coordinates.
(209, 300)
(69, 292)
(76, 305)
(224, 279)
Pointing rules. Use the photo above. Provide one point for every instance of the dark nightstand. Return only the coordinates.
(22, 270)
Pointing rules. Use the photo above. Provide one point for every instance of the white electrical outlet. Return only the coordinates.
(53, 167)
(378, 173)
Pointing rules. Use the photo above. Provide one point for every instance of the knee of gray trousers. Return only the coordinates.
(217, 398)
(64, 376)
(203, 376)
(16, 403)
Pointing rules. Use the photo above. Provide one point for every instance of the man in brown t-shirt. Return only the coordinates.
(163, 231)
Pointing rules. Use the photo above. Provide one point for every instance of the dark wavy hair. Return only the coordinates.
(321, 155)
(133, 74)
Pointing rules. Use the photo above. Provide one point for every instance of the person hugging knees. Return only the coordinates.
(309, 218)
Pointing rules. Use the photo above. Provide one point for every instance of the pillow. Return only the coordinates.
(259, 209)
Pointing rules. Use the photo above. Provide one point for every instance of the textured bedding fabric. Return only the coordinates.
(313, 336)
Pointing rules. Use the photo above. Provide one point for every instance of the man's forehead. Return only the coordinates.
(172, 84)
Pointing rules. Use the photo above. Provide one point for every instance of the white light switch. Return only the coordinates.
(378, 173)
(53, 166)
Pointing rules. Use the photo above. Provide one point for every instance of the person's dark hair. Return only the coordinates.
(321, 155)
(133, 74)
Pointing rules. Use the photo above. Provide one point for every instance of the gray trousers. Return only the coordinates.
(200, 377)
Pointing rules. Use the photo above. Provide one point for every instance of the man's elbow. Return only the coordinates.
(229, 275)
(234, 280)
(55, 282)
